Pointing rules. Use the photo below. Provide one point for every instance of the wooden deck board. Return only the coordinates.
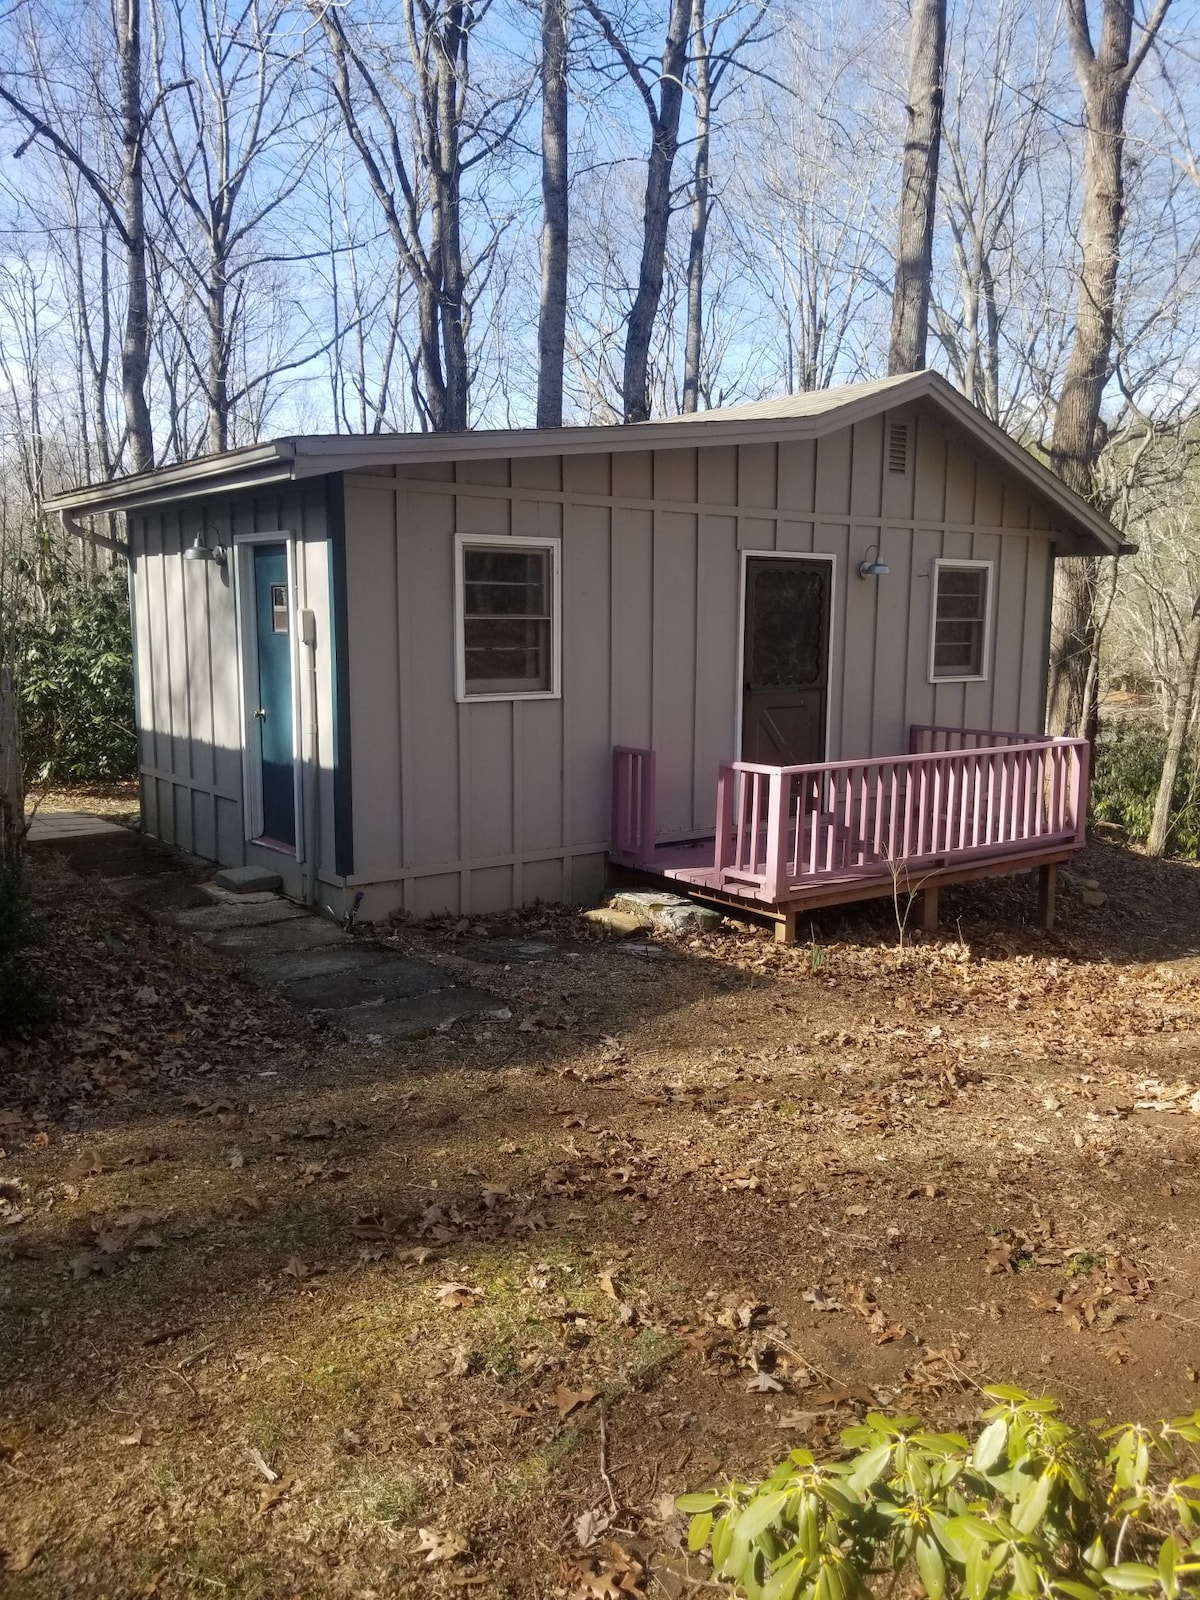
(702, 883)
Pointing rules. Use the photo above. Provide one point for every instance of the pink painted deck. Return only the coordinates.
(964, 802)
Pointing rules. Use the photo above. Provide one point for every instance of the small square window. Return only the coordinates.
(507, 606)
(960, 620)
(279, 608)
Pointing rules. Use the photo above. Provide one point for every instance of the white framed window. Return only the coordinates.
(508, 609)
(960, 641)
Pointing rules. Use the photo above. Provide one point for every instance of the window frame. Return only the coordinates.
(472, 541)
(961, 564)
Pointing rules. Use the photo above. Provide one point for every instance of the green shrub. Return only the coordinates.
(1035, 1507)
(1129, 760)
(76, 678)
(24, 1001)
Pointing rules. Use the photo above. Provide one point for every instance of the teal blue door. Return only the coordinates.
(273, 714)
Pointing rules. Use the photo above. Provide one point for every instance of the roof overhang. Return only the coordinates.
(291, 459)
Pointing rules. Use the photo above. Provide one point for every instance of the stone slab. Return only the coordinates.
(415, 1018)
(372, 978)
(248, 880)
(215, 895)
(254, 941)
(207, 920)
(509, 952)
(160, 892)
(623, 924)
(269, 965)
(50, 827)
(119, 855)
(674, 912)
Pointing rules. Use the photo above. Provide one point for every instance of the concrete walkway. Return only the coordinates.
(360, 988)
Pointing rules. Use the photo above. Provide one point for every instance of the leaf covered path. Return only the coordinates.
(281, 1314)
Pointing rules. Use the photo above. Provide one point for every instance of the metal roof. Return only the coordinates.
(799, 416)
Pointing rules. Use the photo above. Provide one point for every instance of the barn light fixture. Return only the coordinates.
(873, 569)
(201, 550)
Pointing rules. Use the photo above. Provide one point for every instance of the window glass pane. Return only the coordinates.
(506, 606)
(960, 622)
(506, 583)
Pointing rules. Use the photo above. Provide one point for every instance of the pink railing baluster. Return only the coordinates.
(634, 824)
(1057, 792)
(1002, 806)
(726, 788)
(1079, 789)
(775, 845)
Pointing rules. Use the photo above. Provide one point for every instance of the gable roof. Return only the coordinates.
(799, 416)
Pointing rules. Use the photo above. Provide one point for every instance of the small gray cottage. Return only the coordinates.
(779, 653)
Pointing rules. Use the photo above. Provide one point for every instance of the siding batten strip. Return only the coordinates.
(339, 670)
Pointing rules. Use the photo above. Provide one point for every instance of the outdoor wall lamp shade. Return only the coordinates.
(201, 550)
(873, 569)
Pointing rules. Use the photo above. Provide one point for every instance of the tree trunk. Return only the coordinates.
(135, 355)
(450, 50)
(12, 804)
(1181, 721)
(918, 188)
(1105, 75)
(656, 214)
(700, 213)
(218, 356)
(552, 311)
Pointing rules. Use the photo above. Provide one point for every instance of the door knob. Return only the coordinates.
(260, 714)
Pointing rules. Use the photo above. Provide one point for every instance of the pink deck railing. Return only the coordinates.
(778, 828)
(634, 823)
(926, 737)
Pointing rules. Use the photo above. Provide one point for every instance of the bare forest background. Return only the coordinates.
(222, 220)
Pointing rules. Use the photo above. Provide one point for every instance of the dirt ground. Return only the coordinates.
(116, 799)
(282, 1315)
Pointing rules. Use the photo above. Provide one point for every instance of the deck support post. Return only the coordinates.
(785, 927)
(1047, 890)
(929, 908)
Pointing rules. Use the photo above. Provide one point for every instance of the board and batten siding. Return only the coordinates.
(486, 805)
(188, 709)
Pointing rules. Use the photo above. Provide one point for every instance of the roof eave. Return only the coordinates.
(255, 466)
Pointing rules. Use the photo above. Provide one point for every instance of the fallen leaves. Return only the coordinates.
(569, 1400)
(438, 1546)
(613, 1576)
(275, 1492)
(456, 1296)
(114, 1242)
(589, 1525)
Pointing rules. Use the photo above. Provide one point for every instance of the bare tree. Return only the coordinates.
(552, 310)
(999, 151)
(226, 160)
(1105, 72)
(808, 213)
(122, 195)
(416, 170)
(918, 188)
(709, 66)
(662, 113)
(1181, 722)
(703, 76)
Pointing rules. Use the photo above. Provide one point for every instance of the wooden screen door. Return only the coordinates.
(785, 682)
(272, 714)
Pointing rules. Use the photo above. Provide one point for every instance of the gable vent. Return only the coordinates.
(898, 447)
